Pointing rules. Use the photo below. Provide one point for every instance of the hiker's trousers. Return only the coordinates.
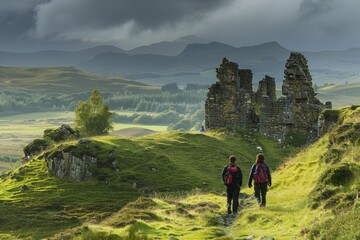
(260, 193)
(232, 194)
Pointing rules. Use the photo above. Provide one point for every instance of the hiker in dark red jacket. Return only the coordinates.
(260, 173)
(232, 176)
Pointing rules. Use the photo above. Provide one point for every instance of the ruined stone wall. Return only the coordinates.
(276, 118)
(230, 101)
(298, 110)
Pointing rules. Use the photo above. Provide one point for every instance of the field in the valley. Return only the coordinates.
(18, 130)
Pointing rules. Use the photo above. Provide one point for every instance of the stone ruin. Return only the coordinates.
(231, 102)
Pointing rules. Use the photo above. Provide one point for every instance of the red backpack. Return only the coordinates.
(260, 173)
(230, 175)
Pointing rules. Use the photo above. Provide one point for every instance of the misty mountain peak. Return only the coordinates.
(191, 39)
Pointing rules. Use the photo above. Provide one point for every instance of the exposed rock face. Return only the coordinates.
(230, 101)
(64, 132)
(84, 160)
(34, 148)
(64, 164)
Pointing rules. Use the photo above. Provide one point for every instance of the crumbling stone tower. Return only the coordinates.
(229, 100)
(297, 111)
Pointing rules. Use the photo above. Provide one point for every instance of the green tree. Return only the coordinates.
(93, 117)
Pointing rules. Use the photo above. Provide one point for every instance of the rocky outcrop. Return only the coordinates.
(34, 148)
(85, 160)
(64, 132)
(64, 164)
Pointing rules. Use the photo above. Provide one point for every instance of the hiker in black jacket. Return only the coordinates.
(232, 176)
(260, 173)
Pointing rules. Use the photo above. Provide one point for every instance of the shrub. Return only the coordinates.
(349, 222)
(333, 155)
(338, 175)
(330, 115)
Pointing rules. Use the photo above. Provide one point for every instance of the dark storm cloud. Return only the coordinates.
(69, 19)
(16, 16)
(19, 6)
(67, 24)
(314, 8)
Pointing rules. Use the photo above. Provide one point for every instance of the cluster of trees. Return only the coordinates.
(184, 101)
(94, 117)
(179, 109)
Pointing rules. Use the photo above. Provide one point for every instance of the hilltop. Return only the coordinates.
(64, 80)
(178, 193)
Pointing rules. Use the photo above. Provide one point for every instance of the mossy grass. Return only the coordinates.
(167, 164)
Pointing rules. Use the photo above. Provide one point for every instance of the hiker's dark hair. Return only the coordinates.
(260, 158)
(232, 159)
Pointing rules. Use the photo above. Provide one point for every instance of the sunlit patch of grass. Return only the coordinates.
(184, 218)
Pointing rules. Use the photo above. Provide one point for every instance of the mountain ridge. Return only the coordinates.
(198, 59)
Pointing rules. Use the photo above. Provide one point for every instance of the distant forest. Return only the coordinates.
(180, 109)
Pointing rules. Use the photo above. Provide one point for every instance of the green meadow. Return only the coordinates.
(163, 164)
(168, 186)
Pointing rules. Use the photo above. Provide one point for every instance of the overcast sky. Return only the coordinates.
(30, 25)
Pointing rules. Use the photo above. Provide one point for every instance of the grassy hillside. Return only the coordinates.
(161, 164)
(167, 186)
(315, 195)
(64, 80)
